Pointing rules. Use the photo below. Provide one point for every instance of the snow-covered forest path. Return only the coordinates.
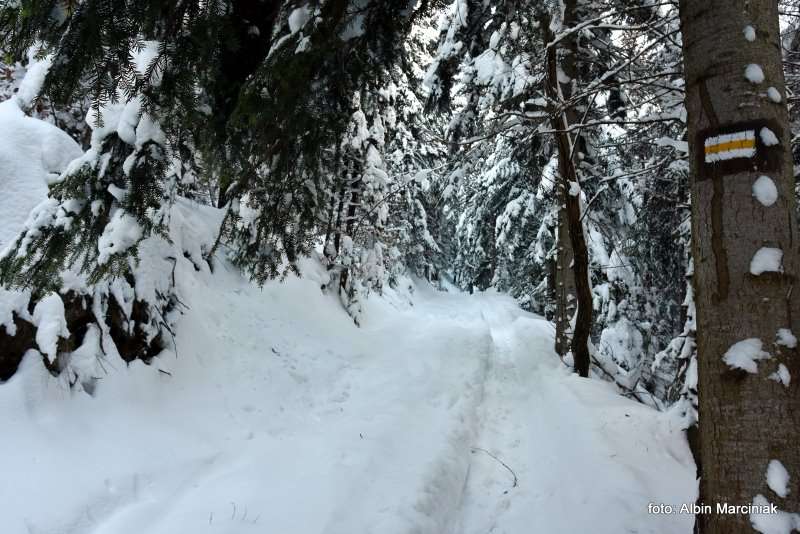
(278, 415)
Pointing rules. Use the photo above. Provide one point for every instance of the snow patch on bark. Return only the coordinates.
(774, 95)
(753, 73)
(779, 522)
(768, 137)
(745, 354)
(765, 191)
(782, 375)
(786, 338)
(767, 259)
(778, 478)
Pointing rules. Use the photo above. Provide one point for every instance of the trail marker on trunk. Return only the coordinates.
(730, 146)
(737, 148)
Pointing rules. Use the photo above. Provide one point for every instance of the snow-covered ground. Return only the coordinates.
(276, 414)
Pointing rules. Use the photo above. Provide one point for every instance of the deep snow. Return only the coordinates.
(278, 414)
(274, 413)
(32, 154)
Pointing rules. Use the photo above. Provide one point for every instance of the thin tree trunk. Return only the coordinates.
(564, 280)
(331, 248)
(337, 232)
(570, 220)
(349, 223)
(746, 419)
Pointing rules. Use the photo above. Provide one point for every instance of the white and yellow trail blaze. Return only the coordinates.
(731, 146)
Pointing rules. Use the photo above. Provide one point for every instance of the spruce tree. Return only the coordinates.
(228, 102)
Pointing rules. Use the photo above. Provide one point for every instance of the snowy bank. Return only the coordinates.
(32, 154)
(274, 411)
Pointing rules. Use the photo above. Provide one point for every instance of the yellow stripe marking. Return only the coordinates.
(731, 145)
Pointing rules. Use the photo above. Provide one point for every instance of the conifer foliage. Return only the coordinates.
(291, 116)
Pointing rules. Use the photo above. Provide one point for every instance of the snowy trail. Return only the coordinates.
(279, 415)
(586, 459)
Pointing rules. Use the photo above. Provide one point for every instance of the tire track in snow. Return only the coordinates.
(588, 460)
(488, 487)
(416, 488)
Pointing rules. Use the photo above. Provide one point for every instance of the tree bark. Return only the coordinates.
(564, 280)
(572, 267)
(746, 420)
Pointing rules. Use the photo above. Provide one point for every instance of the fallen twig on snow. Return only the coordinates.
(501, 463)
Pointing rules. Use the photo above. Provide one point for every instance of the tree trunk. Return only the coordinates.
(564, 280)
(572, 269)
(746, 419)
